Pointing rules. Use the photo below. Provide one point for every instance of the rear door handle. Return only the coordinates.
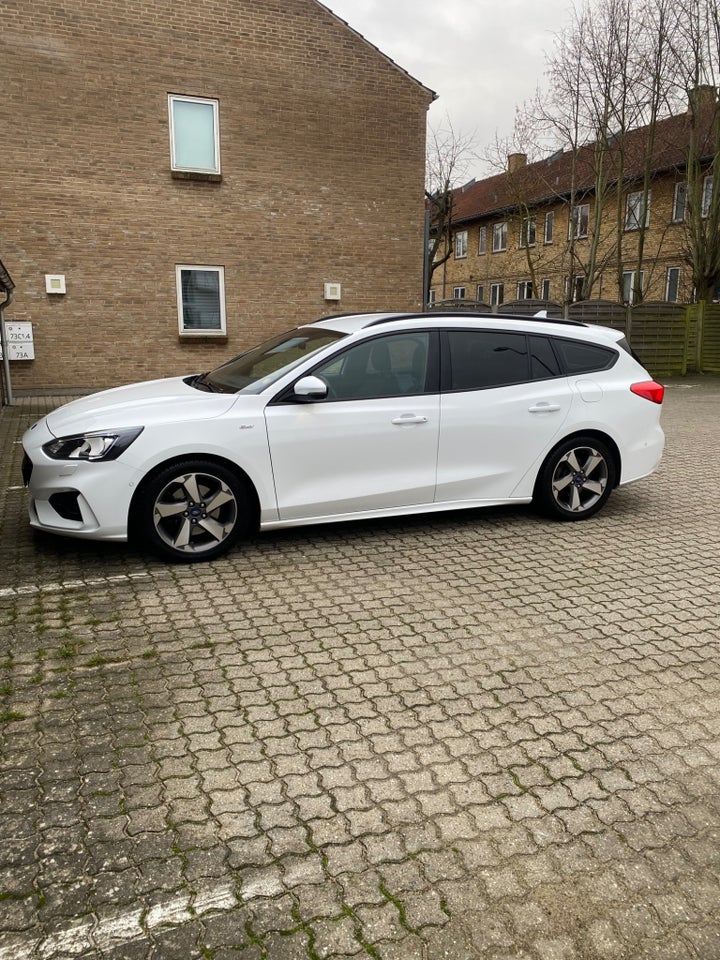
(544, 408)
(408, 418)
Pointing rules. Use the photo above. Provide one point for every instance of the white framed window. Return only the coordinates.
(527, 232)
(480, 293)
(580, 220)
(634, 210)
(549, 227)
(499, 237)
(482, 240)
(461, 244)
(629, 283)
(497, 293)
(574, 288)
(200, 300)
(194, 134)
(545, 289)
(524, 290)
(706, 196)
(431, 296)
(672, 284)
(458, 293)
(679, 202)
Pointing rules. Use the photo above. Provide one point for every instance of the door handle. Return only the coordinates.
(408, 418)
(544, 408)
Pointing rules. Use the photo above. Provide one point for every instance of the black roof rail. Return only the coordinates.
(473, 316)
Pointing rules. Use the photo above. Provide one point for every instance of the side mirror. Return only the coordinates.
(308, 389)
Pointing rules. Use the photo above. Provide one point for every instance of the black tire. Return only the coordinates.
(193, 511)
(576, 479)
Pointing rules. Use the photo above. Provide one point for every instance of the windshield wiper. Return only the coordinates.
(200, 382)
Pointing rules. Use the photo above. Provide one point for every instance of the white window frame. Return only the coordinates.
(528, 232)
(480, 293)
(431, 296)
(679, 210)
(482, 240)
(497, 294)
(221, 331)
(459, 293)
(545, 289)
(215, 104)
(706, 197)
(499, 239)
(549, 227)
(630, 285)
(633, 210)
(524, 290)
(581, 214)
(461, 244)
(675, 272)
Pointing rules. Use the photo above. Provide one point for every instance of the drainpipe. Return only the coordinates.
(8, 286)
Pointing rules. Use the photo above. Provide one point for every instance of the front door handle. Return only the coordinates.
(544, 408)
(408, 418)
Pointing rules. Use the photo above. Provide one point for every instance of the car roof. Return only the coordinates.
(356, 322)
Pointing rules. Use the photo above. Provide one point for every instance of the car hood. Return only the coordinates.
(138, 405)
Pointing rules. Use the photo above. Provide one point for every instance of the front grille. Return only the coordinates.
(26, 469)
(66, 504)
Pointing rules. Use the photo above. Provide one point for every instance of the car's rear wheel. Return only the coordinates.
(576, 479)
(194, 510)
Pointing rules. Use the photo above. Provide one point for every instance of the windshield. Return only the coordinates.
(260, 367)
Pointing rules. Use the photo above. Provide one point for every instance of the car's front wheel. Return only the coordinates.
(192, 511)
(576, 479)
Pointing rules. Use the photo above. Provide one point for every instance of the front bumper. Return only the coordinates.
(77, 499)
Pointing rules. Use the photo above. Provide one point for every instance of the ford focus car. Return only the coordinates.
(355, 416)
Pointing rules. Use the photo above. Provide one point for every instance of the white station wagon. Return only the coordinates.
(354, 416)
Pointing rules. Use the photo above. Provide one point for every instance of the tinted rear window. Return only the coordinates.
(579, 357)
(484, 358)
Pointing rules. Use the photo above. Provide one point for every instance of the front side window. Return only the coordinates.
(482, 240)
(527, 232)
(200, 299)
(634, 210)
(389, 366)
(499, 237)
(679, 202)
(461, 245)
(672, 284)
(581, 220)
(484, 358)
(194, 134)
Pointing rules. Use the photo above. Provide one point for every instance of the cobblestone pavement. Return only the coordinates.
(477, 735)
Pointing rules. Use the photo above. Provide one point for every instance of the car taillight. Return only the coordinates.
(649, 390)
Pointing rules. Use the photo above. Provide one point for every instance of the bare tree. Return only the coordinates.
(449, 155)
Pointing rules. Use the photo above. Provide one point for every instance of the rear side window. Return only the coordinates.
(579, 357)
(543, 362)
(484, 358)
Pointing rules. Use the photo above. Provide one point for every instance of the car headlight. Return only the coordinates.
(98, 445)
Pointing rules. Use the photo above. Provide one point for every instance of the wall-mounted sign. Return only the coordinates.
(19, 339)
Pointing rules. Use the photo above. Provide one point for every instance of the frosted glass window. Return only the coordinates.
(194, 139)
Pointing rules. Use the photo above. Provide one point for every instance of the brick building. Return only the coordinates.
(536, 231)
(193, 175)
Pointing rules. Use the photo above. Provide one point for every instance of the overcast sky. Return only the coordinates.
(482, 57)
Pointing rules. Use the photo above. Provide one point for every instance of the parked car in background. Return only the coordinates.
(349, 417)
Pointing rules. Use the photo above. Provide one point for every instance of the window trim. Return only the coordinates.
(633, 214)
(677, 284)
(576, 222)
(198, 172)
(480, 293)
(522, 290)
(482, 240)
(706, 199)
(675, 218)
(501, 225)
(545, 288)
(457, 295)
(528, 228)
(631, 274)
(461, 239)
(182, 331)
(497, 286)
(549, 222)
